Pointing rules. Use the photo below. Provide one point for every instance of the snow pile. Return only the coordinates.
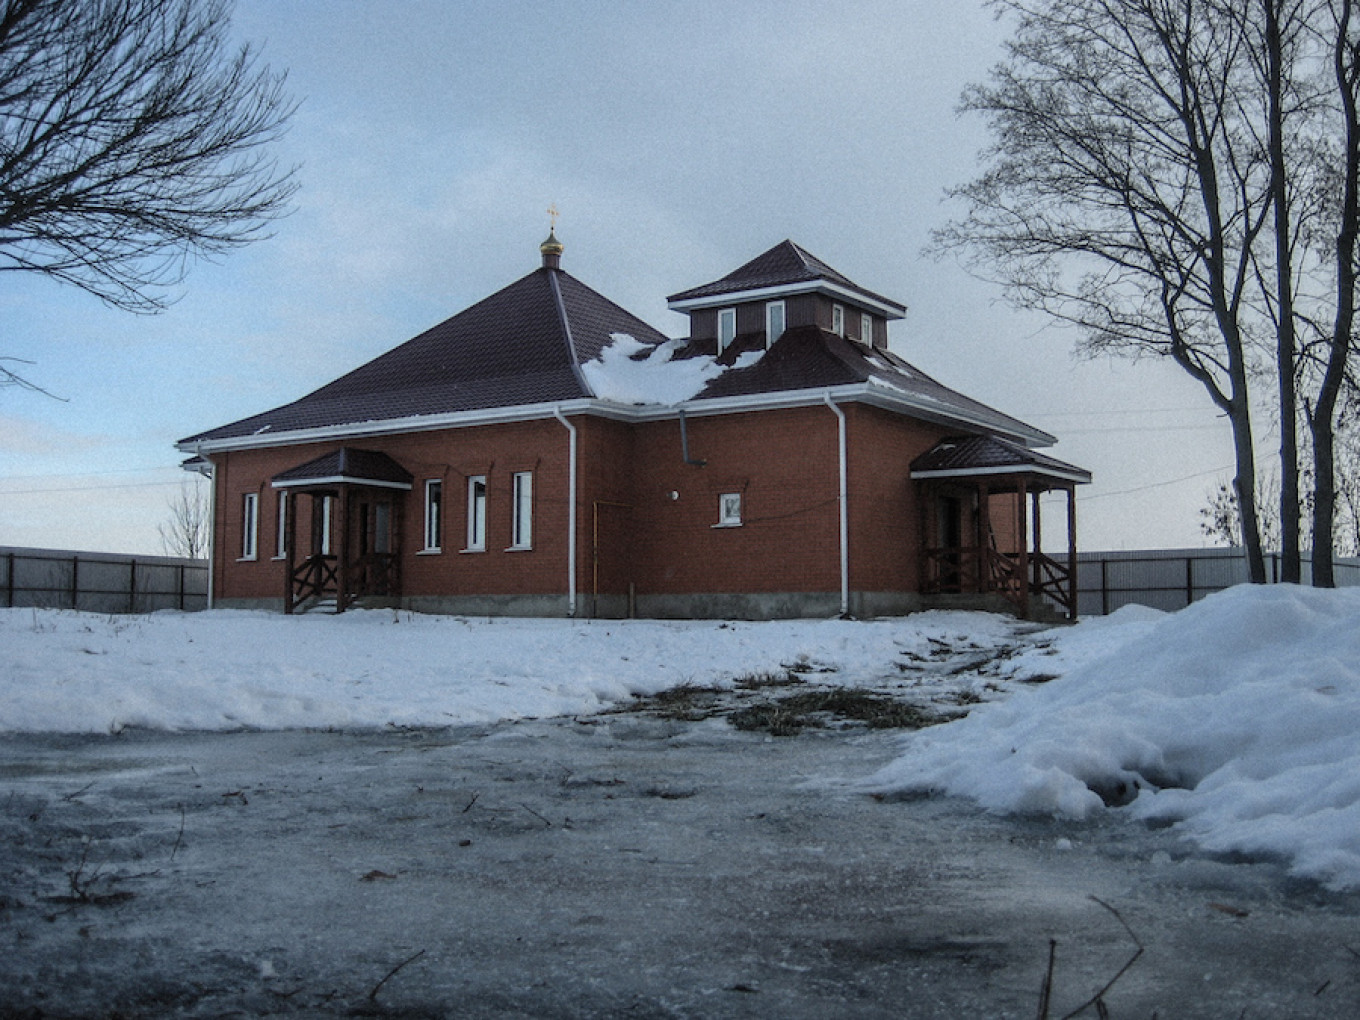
(1238, 719)
(617, 374)
(78, 672)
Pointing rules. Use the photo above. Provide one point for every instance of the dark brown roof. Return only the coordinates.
(785, 263)
(809, 357)
(961, 456)
(522, 345)
(349, 465)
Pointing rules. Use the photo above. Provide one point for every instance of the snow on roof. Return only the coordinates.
(629, 371)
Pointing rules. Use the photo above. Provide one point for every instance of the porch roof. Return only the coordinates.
(983, 456)
(346, 465)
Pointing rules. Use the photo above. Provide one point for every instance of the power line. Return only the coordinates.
(1156, 485)
(87, 488)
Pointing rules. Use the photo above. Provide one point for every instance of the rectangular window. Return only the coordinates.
(838, 320)
(729, 509)
(522, 532)
(774, 321)
(866, 328)
(281, 539)
(250, 524)
(727, 328)
(321, 525)
(434, 528)
(476, 513)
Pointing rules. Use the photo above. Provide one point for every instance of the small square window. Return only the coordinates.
(729, 509)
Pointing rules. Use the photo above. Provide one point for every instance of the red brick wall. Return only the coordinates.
(885, 517)
(644, 517)
(496, 451)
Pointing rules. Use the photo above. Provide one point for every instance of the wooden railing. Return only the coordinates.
(313, 578)
(985, 571)
(318, 577)
(1052, 580)
(373, 574)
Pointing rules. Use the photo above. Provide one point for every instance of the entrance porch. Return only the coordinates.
(981, 528)
(356, 500)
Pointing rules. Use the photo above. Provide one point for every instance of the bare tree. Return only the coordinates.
(1221, 522)
(186, 530)
(1124, 193)
(133, 137)
(1337, 346)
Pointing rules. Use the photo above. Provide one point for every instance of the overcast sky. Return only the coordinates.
(678, 140)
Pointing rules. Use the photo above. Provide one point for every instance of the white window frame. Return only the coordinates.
(250, 525)
(281, 538)
(522, 502)
(476, 514)
(771, 307)
(866, 328)
(838, 320)
(728, 316)
(729, 510)
(434, 515)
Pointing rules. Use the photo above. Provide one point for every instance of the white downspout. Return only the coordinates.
(571, 511)
(212, 522)
(845, 506)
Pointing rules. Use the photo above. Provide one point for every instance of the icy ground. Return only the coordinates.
(553, 818)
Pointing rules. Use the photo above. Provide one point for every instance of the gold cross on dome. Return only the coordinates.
(553, 214)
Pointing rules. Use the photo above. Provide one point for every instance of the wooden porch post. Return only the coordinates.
(1022, 498)
(289, 544)
(342, 553)
(1072, 553)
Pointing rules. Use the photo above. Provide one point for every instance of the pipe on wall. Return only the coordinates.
(844, 505)
(571, 510)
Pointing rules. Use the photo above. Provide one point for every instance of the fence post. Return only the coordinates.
(75, 582)
(10, 584)
(1189, 580)
(181, 587)
(132, 586)
(1104, 586)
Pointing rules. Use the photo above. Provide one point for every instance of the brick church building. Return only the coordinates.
(545, 452)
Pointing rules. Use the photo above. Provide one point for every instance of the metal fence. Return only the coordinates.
(1171, 579)
(101, 582)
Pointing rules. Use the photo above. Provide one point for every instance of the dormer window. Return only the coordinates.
(774, 321)
(866, 328)
(838, 320)
(727, 328)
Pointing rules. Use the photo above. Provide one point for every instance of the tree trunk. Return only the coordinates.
(1285, 347)
(1323, 419)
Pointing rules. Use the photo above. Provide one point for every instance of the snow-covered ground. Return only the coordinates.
(1237, 720)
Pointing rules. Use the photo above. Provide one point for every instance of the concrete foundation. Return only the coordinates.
(698, 606)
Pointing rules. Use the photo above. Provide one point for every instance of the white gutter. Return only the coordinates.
(571, 511)
(1075, 475)
(212, 527)
(879, 396)
(845, 506)
(888, 309)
